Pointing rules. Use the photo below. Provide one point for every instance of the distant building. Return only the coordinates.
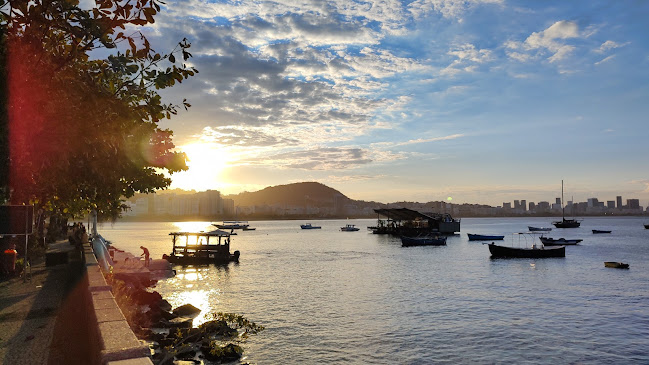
(592, 202)
(633, 204)
(524, 205)
(610, 204)
(543, 207)
(507, 206)
(532, 207)
(619, 202)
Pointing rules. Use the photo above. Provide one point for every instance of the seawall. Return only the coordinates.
(113, 341)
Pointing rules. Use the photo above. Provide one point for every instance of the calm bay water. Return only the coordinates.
(328, 296)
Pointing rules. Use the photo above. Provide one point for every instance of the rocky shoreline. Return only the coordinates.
(170, 332)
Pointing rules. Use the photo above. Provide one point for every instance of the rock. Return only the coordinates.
(229, 352)
(180, 322)
(187, 310)
(164, 305)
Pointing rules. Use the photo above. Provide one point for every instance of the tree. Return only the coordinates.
(83, 132)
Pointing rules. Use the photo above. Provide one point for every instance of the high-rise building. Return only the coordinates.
(610, 204)
(619, 202)
(633, 204)
(507, 206)
(532, 206)
(524, 205)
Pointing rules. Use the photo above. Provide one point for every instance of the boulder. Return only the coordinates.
(180, 322)
(187, 310)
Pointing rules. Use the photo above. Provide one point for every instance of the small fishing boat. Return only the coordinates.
(423, 241)
(547, 241)
(232, 225)
(616, 265)
(193, 248)
(309, 226)
(646, 226)
(539, 229)
(523, 251)
(533, 252)
(596, 231)
(349, 228)
(482, 237)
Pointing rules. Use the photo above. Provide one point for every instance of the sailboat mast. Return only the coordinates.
(563, 209)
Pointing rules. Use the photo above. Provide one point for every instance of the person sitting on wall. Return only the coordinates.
(145, 253)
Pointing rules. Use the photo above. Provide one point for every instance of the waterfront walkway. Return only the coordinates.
(39, 318)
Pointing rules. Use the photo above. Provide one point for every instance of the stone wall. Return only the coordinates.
(113, 340)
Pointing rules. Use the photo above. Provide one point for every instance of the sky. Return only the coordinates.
(478, 101)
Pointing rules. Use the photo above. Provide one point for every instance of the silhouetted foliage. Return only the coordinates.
(82, 133)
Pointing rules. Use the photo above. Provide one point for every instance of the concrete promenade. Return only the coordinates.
(32, 314)
(65, 314)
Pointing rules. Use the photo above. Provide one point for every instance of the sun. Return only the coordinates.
(206, 163)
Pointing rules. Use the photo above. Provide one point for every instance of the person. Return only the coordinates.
(145, 253)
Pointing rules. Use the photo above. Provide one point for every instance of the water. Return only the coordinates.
(327, 296)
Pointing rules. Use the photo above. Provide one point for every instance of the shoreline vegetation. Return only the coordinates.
(170, 332)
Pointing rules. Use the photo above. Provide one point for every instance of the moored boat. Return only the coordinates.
(482, 237)
(616, 265)
(197, 249)
(565, 223)
(309, 226)
(423, 241)
(232, 225)
(547, 241)
(595, 231)
(524, 252)
(349, 228)
(539, 229)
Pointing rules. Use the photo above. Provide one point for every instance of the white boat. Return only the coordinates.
(309, 226)
(539, 229)
(232, 225)
(349, 228)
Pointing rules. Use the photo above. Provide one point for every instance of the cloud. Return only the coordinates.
(605, 60)
(450, 9)
(609, 45)
(467, 59)
(551, 40)
(323, 158)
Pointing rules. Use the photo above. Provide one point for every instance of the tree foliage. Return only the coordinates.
(82, 132)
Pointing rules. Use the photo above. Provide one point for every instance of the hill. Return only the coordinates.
(298, 194)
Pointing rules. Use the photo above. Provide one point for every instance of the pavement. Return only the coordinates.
(39, 318)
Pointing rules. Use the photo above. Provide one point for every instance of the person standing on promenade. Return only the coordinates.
(145, 253)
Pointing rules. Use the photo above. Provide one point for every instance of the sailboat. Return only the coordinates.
(565, 223)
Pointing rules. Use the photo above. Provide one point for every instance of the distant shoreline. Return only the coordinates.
(306, 218)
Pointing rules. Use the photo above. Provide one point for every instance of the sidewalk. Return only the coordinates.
(37, 317)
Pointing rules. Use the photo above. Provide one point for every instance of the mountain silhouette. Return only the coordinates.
(298, 194)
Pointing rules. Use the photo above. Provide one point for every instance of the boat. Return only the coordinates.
(349, 228)
(595, 231)
(232, 225)
(482, 237)
(423, 241)
(309, 226)
(565, 223)
(539, 229)
(534, 252)
(547, 241)
(646, 226)
(249, 228)
(616, 265)
(195, 248)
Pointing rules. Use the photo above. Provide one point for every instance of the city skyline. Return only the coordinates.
(476, 101)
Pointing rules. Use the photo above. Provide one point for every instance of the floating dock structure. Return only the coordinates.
(411, 223)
